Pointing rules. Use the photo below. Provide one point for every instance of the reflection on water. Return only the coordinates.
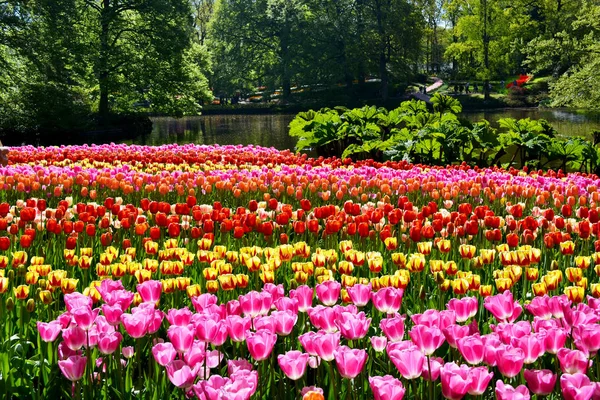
(263, 130)
(272, 130)
(566, 123)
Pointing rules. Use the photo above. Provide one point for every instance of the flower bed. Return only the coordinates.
(236, 272)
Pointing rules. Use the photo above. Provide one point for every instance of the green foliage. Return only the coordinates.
(437, 137)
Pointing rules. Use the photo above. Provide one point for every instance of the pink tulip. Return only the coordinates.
(554, 340)
(233, 308)
(76, 300)
(164, 353)
(350, 362)
(464, 308)
(427, 339)
(540, 382)
(503, 307)
(328, 292)
(544, 324)
(587, 338)
(359, 294)
(434, 318)
(293, 364)
(304, 295)
(150, 291)
(112, 313)
(182, 337)
(386, 388)
(507, 392)
(84, 317)
(307, 340)
(325, 344)
(207, 327)
(436, 364)
(571, 361)
(410, 361)
(180, 374)
(393, 328)
(239, 364)
(576, 387)
(204, 301)
(254, 303)
(353, 326)
(454, 332)
(181, 317)
(264, 322)
(558, 304)
(539, 307)
(455, 381)
(532, 346)
(510, 361)
(286, 304)
(276, 291)
(387, 300)
(284, 321)
(378, 343)
(472, 349)
(196, 355)
(73, 367)
(109, 343)
(74, 337)
(127, 351)
(323, 318)
(136, 324)
(479, 379)
(49, 331)
(492, 346)
(237, 327)
(260, 344)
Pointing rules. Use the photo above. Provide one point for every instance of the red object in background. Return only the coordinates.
(523, 79)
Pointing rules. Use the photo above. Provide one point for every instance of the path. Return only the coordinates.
(424, 97)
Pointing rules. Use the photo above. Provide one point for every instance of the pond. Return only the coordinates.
(272, 130)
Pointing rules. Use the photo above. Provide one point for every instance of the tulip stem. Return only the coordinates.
(332, 376)
(430, 382)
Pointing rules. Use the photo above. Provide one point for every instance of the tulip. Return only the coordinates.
(386, 388)
(328, 292)
(180, 374)
(393, 328)
(254, 303)
(150, 291)
(136, 325)
(350, 362)
(73, 367)
(503, 307)
(576, 387)
(237, 327)
(260, 344)
(571, 361)
(387, 300)
(353, 326)
(323, 318)
(74, 337)
(554, 339)
(293, 364)
(454, 332)
(360, 295)
(109, 343)
(427, 339)
(410, 362)
(479, 378)
(182, 337)
(164, 353)
(49, 331)
(307, 340)
(455, 381)
(464, 308)
(284, 321)
(540, 382)
(507, 392)
(435, 363)
(510, 361)
(532, 346)
(325, 345)
(378, 343)
(181, 317)
(472, 348)
(304, 295)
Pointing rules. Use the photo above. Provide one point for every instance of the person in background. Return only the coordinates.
(467, 88)
(4, 155)
(475, 88)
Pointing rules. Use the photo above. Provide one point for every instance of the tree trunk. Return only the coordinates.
(285, 60)
(486, 51)
(103, 73)
(383, 74)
